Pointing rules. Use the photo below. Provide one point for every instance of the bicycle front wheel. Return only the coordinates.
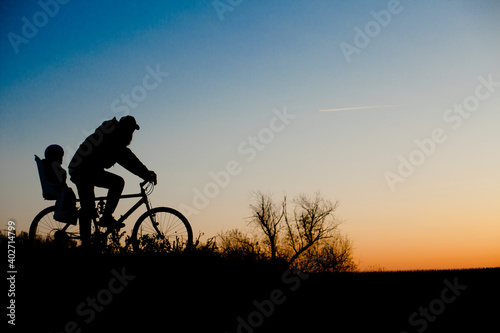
(162, 230)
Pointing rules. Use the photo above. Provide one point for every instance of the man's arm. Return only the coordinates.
(129, 161)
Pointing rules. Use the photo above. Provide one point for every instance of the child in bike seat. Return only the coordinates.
(65, 210)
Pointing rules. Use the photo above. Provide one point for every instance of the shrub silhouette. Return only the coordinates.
(331, 255)
(235, 244)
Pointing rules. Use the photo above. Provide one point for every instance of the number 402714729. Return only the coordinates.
(11, 244)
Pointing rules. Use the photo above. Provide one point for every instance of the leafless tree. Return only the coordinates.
(268, 217)
(312, 221)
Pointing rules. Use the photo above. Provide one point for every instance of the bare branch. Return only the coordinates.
(268, 217)
(314, 221)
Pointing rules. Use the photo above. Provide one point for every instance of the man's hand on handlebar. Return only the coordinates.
(152, 177)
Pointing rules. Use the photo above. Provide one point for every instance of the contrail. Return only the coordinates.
(361, 107)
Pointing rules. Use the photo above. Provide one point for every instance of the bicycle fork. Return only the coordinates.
(152, 217)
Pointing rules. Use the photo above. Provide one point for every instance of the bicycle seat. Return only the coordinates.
(49, 192)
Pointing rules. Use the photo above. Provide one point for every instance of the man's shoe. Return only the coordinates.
(110, 222)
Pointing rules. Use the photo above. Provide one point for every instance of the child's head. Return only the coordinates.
(54, 153)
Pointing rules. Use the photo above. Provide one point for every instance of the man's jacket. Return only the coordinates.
(101, 150)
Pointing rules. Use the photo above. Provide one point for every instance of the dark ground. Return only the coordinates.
(203, 293)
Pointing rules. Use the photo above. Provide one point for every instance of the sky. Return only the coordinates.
(390, 107)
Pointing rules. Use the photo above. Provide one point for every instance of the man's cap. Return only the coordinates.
(129, 122)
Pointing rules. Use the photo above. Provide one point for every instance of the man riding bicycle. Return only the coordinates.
(101, 150)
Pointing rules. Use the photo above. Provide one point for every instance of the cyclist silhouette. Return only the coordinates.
(101, 150)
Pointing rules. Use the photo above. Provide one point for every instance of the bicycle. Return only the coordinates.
(160, 226)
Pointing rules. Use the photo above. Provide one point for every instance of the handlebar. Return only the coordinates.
(147, 187)
(152, 179)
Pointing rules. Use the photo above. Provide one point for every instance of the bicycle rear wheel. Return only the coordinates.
(45, 229)
(162, 230)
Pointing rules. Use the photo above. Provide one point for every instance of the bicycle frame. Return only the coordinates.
(143, 201)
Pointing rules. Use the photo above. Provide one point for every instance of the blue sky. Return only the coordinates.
(225, 78)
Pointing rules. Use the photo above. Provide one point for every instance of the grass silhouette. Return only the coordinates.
(206, 290)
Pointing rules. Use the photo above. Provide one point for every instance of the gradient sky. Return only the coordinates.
(225, 78)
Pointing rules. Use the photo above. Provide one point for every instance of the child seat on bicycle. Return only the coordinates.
(54, 187)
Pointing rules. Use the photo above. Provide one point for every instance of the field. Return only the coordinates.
(68, 291)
